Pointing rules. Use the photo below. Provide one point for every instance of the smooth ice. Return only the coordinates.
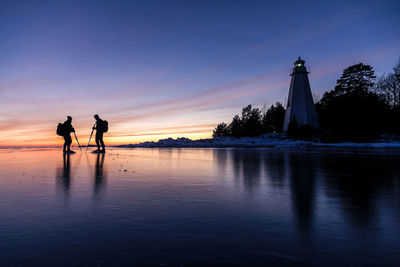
(166, 206)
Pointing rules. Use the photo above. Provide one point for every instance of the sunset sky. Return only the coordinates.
(158, 69)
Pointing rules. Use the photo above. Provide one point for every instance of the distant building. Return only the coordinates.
(300, 104)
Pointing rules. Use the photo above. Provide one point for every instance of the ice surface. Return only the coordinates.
(201, 207)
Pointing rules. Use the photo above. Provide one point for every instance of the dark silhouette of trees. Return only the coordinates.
(222, 129)
(297, 131)
(388, 86)
(252, 122)
(272, 120)
(357, 78)
(352, 111)
(236, 127)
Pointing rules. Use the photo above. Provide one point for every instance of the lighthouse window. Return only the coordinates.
(299, 65)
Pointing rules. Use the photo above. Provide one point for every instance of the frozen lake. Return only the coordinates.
(200, 207)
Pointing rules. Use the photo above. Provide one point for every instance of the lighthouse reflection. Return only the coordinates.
(302, 175)
(280, 169)
(357, 183)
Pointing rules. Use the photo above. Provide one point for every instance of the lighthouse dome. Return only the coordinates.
(299, 62)
(299, 66)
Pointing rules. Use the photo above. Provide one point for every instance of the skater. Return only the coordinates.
(101, 127)
(65, 131)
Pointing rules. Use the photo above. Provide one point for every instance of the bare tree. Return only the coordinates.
(388, 86)
(264, 109)
(316, 97)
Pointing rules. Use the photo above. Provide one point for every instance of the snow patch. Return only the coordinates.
(266, 140)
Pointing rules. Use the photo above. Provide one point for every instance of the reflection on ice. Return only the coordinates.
(100, 174)
(359, 181)
(180, 206)
(64, 174)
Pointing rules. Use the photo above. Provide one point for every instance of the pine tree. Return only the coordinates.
(272, 120)
(358, 78)
(235, 128)
(352, 111)
(222, 129)
(251, 121)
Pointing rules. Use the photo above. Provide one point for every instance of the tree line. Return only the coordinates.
(360, 107)
(253, 122)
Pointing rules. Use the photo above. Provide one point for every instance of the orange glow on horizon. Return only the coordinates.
(109, 139)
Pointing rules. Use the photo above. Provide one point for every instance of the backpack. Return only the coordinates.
(60, 129)
(103, 126)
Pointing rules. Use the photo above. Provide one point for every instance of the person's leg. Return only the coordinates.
(97, 141)
(102, 142)
(102, 145)
(68, 141)
(65, 144)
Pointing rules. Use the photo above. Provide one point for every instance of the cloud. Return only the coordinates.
(207, 101)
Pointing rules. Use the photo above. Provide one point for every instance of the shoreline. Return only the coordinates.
(264, 141)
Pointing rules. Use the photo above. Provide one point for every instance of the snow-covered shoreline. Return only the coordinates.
(267, 141)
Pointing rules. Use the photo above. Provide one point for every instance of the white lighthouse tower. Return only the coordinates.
(300, 103)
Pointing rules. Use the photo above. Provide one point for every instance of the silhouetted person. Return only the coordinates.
(101, 127)
(67, 130)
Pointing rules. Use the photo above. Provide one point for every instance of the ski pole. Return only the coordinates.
(77, 141)
(90, 137)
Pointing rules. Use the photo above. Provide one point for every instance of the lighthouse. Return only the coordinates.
(300, 104)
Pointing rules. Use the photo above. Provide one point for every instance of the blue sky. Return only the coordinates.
(155, 69)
